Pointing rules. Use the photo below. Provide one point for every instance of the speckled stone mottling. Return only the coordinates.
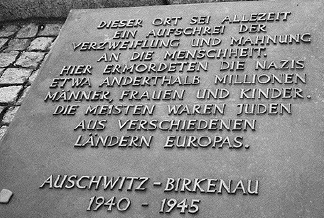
(30, 59)
(3, 41)
(17, 44)
(40, 44)
(28, 31)
(10, 114)
(9, 94)
(33, 76)
(8, 58)
(15, 76)
(8, 30)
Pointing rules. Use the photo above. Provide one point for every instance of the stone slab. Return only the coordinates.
(8, 58)
(265, 164)
(50, 30)
(30, 59)
(8, 95)
(8, 30)
(10, 114)
(22, 97)
(15, 76)
(33, 76)
(18, 44)
(5, 196)
(40, 44)
(28, 31)
(2, 42)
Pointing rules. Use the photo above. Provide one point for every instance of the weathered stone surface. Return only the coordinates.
(213, 161)
(50, 30)
(5, 196)
(15, 76)
(30, 59)
(10, 114)
(20, 9)
(27, 31)
(8, 58)
(8, 30)
(41, 44)
(22, 97)
(18, 44)
(33, 76)
(9, 94)
(2, 42)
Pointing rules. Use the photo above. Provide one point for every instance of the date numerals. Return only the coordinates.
(190, 206)
(98, 202)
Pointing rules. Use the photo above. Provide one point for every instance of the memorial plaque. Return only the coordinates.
(210, 110)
